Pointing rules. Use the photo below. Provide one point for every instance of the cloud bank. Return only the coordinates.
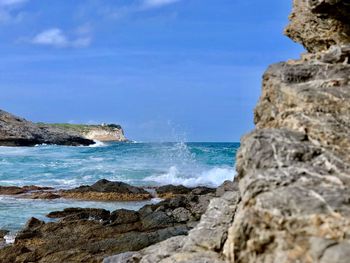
(55, 37)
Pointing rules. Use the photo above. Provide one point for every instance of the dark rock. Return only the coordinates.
(106, 186)
(31, 229)
(157, 220)
(123, 216)
(172, 190)
(81, 213)
(44, 195)
(11, 190)
(3, 233)
(107, 191)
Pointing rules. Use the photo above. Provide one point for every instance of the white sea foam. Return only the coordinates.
(97, 144)
(213, 177)
(9, 239)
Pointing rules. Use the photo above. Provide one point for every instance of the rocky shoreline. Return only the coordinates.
(90, 235)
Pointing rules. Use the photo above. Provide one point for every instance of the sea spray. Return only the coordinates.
(213, 177)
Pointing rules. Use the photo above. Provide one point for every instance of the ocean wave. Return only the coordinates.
(97, 144)
(212, 177)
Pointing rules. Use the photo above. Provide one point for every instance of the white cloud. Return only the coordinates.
(51, 37)
(55, 37)
(158, 3)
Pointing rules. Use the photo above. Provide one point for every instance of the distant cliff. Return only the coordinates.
(103, 132)
(16, 131)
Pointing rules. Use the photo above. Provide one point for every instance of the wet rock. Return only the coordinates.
(11, 190)
(81, 213)
(31, 191)
(107, 191)
(168, 191)
(44, 195)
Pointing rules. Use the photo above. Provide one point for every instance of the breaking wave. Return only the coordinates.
(212, 177)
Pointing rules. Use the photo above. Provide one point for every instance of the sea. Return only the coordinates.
(139, 164)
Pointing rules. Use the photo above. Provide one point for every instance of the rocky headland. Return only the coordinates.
(102, 133)
(16, 131)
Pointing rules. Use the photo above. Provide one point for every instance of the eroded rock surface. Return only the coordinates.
(319, 24)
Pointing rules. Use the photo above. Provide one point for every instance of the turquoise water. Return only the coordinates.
(143, 164)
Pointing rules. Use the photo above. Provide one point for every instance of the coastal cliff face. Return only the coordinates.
(292, 202)
(16, 131)
(103, 132)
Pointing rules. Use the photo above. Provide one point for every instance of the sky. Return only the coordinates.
(166, 70)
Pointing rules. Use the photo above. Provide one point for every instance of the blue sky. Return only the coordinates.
(164, 69)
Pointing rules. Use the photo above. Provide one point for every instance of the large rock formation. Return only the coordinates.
(293, 171)
(15, 131)
(319, 24)
(103, 132)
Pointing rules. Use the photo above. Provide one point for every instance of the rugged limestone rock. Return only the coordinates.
(293, 171)
(15, 131)
(319, 24)
(89, 235)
